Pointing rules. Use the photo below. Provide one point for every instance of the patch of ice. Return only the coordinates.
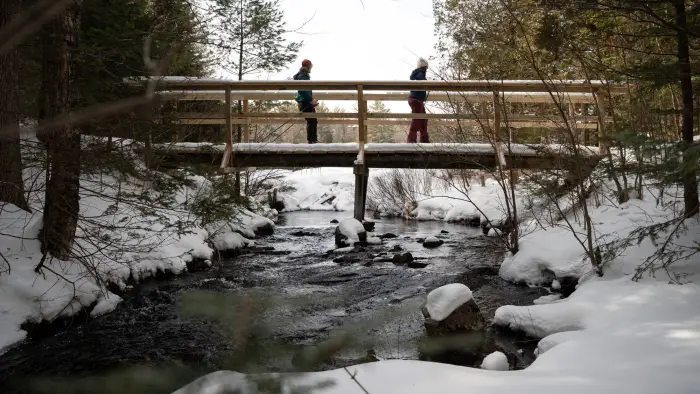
(442, 301)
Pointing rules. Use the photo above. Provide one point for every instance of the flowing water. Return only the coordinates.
(378, 303)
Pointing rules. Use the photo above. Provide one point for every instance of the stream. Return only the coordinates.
(378, 302)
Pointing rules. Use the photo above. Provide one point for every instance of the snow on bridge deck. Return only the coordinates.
(437, 155)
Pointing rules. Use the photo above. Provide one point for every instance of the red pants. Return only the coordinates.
(418, 125)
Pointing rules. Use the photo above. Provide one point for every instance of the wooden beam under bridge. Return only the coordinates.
(593, 124)
(418, 156)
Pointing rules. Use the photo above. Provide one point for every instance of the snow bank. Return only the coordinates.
(444, 300)
(606, 305)
(558, 250)
(135, 245)
(326, 189)
(495, 361)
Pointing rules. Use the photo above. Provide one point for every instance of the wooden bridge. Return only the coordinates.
(491, 97)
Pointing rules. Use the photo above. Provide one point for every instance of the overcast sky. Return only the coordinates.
(346, 41)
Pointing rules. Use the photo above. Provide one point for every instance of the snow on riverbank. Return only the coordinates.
(559, 251)
(327, 189)
(119, 242)
(612, 335)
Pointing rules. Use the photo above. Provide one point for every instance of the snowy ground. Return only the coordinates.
(326, 189)
(132, 246)
(612, 335)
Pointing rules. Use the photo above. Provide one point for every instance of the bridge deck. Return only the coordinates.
(446, 156)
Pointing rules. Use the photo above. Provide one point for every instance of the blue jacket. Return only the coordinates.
(303, 95)
(418, 75)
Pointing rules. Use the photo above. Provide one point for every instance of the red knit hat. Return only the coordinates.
(306, 63)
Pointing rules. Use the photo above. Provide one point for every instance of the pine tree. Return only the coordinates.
(11, 183)
(250, 36)
(63, 143)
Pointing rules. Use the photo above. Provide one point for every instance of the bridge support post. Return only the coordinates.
(361, 180)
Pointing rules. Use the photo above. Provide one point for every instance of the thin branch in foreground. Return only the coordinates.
(29, 22)
(353, 376)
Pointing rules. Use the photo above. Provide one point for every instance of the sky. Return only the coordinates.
(346, 40)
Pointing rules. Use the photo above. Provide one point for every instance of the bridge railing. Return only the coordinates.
(567, 94)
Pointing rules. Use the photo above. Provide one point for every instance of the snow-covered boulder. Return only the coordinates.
(442, 301)
(451, 309)
(348, 232)
(432, 242)
(495, 361)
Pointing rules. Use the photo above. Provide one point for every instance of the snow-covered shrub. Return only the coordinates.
(397, 187)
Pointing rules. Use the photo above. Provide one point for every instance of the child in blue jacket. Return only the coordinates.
(306, 102)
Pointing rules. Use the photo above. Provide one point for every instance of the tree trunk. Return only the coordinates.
(690, 182)
(63, 143)
(11, 183)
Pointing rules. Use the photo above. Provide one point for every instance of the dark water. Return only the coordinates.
(379, 303)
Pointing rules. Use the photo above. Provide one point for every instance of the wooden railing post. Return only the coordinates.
(366, 128)
(586, 133)
(601, 108)
(362, 115)
(497, 129)
(246, 126)
(226, 160)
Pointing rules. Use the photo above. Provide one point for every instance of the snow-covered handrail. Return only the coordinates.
(570, 86)
(475, 97)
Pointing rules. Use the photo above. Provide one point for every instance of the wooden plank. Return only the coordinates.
(226, 159)
(283, 116)
(497, 129)
(592, 124)
(246, 125)
(362, 110)
(434, 160)
(366, 127)
(473, 97)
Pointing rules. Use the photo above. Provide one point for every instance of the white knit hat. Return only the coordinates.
(422, 63)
